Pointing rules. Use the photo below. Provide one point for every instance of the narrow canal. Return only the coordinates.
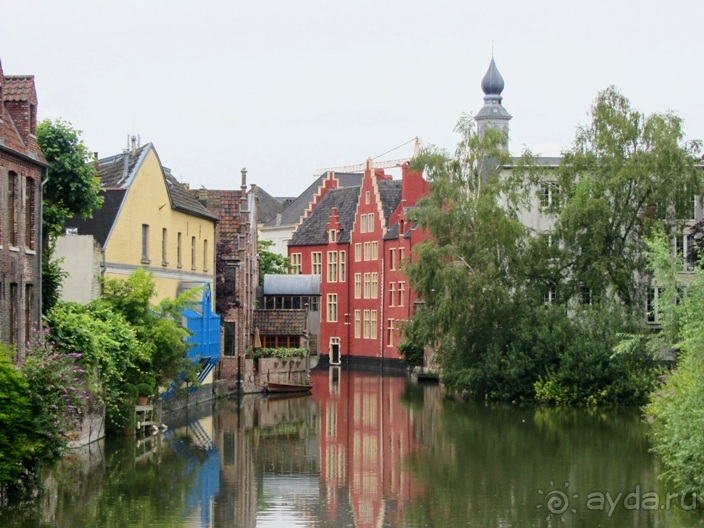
(366, 450)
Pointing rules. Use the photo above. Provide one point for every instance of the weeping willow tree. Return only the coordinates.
(470, 269)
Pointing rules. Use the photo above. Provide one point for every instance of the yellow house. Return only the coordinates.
(148, 220)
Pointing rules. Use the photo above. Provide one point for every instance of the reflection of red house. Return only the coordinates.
(366, 433)
(357, 238)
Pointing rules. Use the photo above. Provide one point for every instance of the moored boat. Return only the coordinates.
(278, 388)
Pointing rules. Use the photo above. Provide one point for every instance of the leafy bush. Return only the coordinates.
(40, 406)
(676, 407)
(279, 353)
(144, 389)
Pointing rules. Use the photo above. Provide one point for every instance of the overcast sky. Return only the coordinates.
(287, 87)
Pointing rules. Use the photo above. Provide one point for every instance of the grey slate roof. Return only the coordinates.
(182, 200)
(115, 182)
(390, 192)
(292, 213)
(292, 284)
(268, 206)
(103, 219)
(112, 169)
(313, 231)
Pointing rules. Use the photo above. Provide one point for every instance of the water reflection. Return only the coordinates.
(364, 450)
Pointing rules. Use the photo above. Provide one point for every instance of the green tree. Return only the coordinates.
(485, 277)
(72, 188)
(469, 270)
(157, 327)
(624, 170)
(269, 262)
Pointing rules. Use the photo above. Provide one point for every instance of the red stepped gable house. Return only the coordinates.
(22, 168)
(357, 238)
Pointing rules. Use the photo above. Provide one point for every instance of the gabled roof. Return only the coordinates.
(17, 89)
(116, 181)
(293, 212)
(313, 231)
(112, 169)
(268, 206)
(114, 176)
(390, 192)
(183, 201)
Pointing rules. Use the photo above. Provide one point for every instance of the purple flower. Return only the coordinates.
(72, 389)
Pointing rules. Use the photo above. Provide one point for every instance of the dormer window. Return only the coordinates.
(332, 235)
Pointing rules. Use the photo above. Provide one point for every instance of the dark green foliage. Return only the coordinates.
(20, 447)
(485, 277)
(52, 279)
(40, 405)
(72, 187)
(144, 389)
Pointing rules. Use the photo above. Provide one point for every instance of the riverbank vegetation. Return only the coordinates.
(91, 358)
(676, 407)
(125, 340)
(517, 313)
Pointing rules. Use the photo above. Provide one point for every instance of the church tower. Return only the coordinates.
(493, 114)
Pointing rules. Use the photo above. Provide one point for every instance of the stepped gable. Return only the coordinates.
(292, 213)
(313, 231)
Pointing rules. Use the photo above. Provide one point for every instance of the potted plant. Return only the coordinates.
(145, 390)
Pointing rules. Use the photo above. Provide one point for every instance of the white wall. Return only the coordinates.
(81, 260)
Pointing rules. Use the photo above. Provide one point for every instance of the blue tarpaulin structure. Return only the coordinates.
(204, 341)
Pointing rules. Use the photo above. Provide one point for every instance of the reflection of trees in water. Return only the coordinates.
(135, 485)
(486, 463)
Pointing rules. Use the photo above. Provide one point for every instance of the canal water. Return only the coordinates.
(368, 450)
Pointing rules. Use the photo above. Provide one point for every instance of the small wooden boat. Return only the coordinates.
(279, 388)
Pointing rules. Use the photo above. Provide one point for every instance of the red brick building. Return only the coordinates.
(357, 239)
(237, 271)
(22, 167)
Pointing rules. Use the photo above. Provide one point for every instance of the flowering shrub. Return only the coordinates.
(58, 386)
(41, 405)
(278, 353)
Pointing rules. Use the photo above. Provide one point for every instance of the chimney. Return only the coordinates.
(244, 179)
(133, 140)
(96, 165)
(125, 163)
